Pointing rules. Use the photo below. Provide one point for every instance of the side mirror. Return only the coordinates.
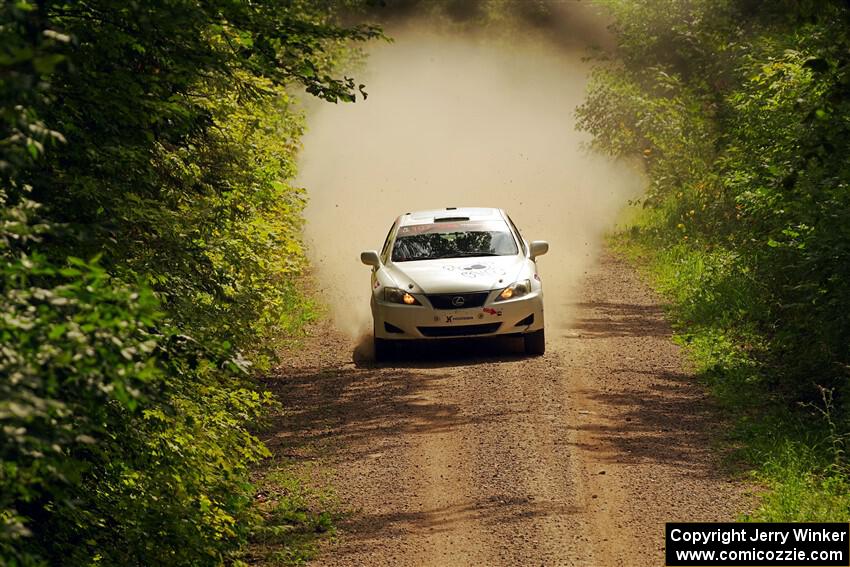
(538, 248)
(370, 258)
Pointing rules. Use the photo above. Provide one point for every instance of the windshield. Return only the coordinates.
(453, 240)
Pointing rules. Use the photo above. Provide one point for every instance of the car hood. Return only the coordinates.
(457, 275)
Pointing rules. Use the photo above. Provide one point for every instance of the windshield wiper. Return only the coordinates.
(463, 255)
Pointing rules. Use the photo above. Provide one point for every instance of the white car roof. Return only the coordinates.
(431, 215)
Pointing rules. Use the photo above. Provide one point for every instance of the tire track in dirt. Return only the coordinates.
(440, 458)
(647, 432)
(470, 453)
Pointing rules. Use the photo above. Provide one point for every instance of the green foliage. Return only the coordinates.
(114, 431)
(239, 246)
(799, 495)
(741, 112)
(158, 140)
(72, 353)
(741, 116)
(797, 452)
(177, 158)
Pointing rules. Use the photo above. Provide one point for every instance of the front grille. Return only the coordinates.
(460, 330)
(444, 300)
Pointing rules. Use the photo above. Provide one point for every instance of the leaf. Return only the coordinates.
(57, 331)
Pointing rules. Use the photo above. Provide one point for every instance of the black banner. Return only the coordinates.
(757, 544)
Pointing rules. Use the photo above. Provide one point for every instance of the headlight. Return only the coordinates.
(395, 295)
(518, 289)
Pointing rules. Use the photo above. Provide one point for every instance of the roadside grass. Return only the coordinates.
(301, 309)
(298, 511)
(795, 453)
(295, 506)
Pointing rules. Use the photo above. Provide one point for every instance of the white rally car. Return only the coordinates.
(456, 272)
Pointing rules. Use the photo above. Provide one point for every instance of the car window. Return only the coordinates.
(456, 239)
(386, 246)
(519, 236)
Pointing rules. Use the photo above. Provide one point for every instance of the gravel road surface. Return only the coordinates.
(470, 453)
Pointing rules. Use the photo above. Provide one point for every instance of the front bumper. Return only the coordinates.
(401, 322)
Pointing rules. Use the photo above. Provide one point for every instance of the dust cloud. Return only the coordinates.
(455, 121)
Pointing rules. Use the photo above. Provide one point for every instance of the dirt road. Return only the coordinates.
(473, 454)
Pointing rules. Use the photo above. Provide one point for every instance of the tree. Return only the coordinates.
(149, 237)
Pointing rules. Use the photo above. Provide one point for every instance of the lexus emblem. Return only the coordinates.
(458, 301)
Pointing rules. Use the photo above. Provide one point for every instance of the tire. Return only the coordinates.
(383, 349)
(535, 343)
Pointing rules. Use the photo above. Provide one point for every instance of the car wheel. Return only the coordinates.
(535, 343)
(383, 349)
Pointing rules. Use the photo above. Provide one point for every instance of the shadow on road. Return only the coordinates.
(350, 408)
(653, 412)
(667, 423)
(362, 409)
(444, 352)
(498, 510)
(621, 320)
